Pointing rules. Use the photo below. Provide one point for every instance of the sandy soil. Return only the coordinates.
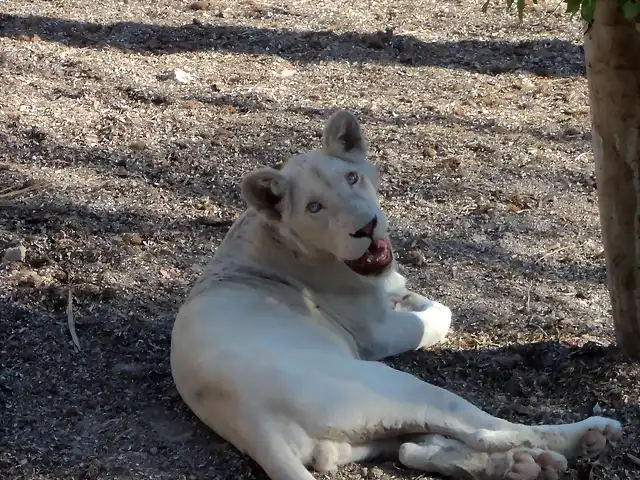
(479, 126)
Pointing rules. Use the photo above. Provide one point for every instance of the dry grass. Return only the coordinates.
(479, 126)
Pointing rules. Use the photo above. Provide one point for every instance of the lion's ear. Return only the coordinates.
(264, 189)
(343, 137)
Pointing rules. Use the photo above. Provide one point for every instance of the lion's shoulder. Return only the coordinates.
(245, 256)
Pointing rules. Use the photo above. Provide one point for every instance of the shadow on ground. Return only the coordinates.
(193, 178)
(118, 411)
(549, 57)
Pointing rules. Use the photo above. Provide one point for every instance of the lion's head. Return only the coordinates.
(327, 199)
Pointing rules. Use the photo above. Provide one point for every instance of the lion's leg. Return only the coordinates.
(401, 332)
(414, 322)
(392, 403)
(448, 456)
(483, 432)
(588, 437)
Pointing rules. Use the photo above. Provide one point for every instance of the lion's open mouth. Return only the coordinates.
(377, 257)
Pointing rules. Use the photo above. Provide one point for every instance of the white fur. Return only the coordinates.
(277, 347)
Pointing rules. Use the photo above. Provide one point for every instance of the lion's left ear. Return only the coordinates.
(265, 190)
(343, 137)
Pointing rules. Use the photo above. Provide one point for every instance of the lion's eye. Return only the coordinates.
(314, 207)
(352, 178)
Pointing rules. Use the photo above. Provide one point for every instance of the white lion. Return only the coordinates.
(277, 348)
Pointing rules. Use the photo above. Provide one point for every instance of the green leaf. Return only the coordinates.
(520, 9)
(638, 27)
(587, 10)
(620, 3)
(485, 6)
(572, 6)
(630, 10)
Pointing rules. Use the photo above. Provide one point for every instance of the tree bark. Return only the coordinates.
(612, 51)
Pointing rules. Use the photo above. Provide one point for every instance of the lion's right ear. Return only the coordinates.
(265, 189)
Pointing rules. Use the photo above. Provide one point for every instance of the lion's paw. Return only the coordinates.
(524, 467)
(535, 464)
(599, 431)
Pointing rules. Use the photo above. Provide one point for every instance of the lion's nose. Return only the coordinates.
(367, 230)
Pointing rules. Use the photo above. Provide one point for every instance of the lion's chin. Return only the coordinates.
(375, 260)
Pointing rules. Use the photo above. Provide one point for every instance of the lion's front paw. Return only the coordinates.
(435, 317)
(396, 304)
(437, 322)
(413, 302)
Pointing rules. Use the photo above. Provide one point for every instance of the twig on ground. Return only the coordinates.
(527, 305)
(8, 192)
(544, 333)
(635, 460)
(554, 251)
(71, 322)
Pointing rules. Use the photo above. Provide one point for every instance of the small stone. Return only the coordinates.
(30, 279)
(137, 145)
(527, 85)
(459, 111)
(40, 261)
(430, 152)
(153, 450)
(523, 410)
(15, 254)
(91, 140)
(287, 72)
(375, 473)
(199, 5)
(175, 74)
(132, 238)
(509, 361)
(190, 104)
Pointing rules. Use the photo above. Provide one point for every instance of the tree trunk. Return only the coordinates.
(612, 51)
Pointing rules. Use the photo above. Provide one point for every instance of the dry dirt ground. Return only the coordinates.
(479, 126)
